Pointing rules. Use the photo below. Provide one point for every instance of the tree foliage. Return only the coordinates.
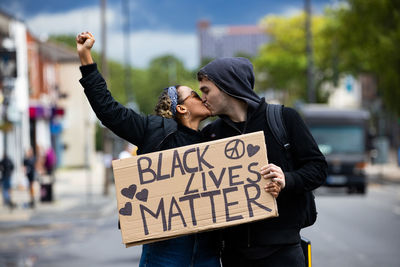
(282, 61)
(64, 39)
(357, 36)
(163, 71)
(366, 38)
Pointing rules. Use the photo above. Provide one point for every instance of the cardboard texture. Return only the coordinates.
(192, 188)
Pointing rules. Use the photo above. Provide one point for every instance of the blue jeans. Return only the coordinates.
(197, 250)
(6, 184)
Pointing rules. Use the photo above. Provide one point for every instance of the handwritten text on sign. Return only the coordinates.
(192, 188)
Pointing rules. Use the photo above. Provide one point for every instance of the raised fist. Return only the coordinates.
(84, 41)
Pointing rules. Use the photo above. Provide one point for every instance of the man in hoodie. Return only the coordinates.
(227, 90)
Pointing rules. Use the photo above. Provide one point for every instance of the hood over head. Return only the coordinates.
(234, 76)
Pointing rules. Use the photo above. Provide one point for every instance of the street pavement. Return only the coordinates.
(78, 195)
(76, 192)
(80, 191)
(388, 172)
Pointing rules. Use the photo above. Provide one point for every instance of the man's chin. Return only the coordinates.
(211, 113)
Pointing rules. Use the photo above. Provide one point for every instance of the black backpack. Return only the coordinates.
(277, 127)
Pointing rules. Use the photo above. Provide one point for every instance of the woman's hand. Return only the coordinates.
(84, 43)
(275, 173)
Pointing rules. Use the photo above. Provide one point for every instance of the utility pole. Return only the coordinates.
(309, 51)
(103, 56)
(130, 97)
(126, 25)
(172, 72)
(107, 141)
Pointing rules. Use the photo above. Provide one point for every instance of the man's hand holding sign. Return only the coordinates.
(195, 188)
(275, 173)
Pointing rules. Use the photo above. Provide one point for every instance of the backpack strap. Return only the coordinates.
(275, 123)
(278, 129)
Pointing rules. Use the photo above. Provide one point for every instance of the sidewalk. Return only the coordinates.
(76, 193)
(388, 172)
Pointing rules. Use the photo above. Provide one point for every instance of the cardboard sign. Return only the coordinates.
(192, 188)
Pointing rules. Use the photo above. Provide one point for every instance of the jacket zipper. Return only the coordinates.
(162, 141)
(243, 132)
(194, 251)
(248, 236)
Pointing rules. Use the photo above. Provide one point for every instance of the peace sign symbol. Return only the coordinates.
(234, 149)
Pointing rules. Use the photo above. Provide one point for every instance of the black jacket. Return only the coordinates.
(149, 133)
(6, 167)
(310, 168)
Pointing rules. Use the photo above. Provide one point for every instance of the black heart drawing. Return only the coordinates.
(127, 210)
(252, 150)
(129, 192)
(142, 195)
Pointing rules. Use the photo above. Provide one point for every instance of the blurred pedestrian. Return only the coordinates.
(30, 171)
(6, 168)
(127, 152)
(50, 163)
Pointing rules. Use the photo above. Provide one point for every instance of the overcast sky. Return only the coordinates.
(157, 26)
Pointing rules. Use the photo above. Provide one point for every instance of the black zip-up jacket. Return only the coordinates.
(235, 77)
(149, 133)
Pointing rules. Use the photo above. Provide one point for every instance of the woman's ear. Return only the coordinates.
(181, 109)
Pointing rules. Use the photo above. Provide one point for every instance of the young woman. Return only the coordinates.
(179, 112)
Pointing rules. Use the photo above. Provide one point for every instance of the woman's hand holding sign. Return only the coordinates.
(275, 173)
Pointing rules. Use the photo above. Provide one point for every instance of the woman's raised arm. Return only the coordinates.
(123, 121)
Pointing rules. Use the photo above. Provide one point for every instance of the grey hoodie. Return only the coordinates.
(256, 240)
(234, 76)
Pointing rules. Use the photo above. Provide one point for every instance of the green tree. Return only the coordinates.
(205, 60)
(282, 62)
(365, 38)
(163, 71)
(64, 39)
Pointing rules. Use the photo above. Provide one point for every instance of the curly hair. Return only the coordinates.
(163, 106)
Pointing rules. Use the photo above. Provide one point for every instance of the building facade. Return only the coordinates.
(229, 41)
(60, 116)
(14, 91)
(42, 104)
(78, 135)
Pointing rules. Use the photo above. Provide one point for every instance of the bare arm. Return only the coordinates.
(84, 44)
